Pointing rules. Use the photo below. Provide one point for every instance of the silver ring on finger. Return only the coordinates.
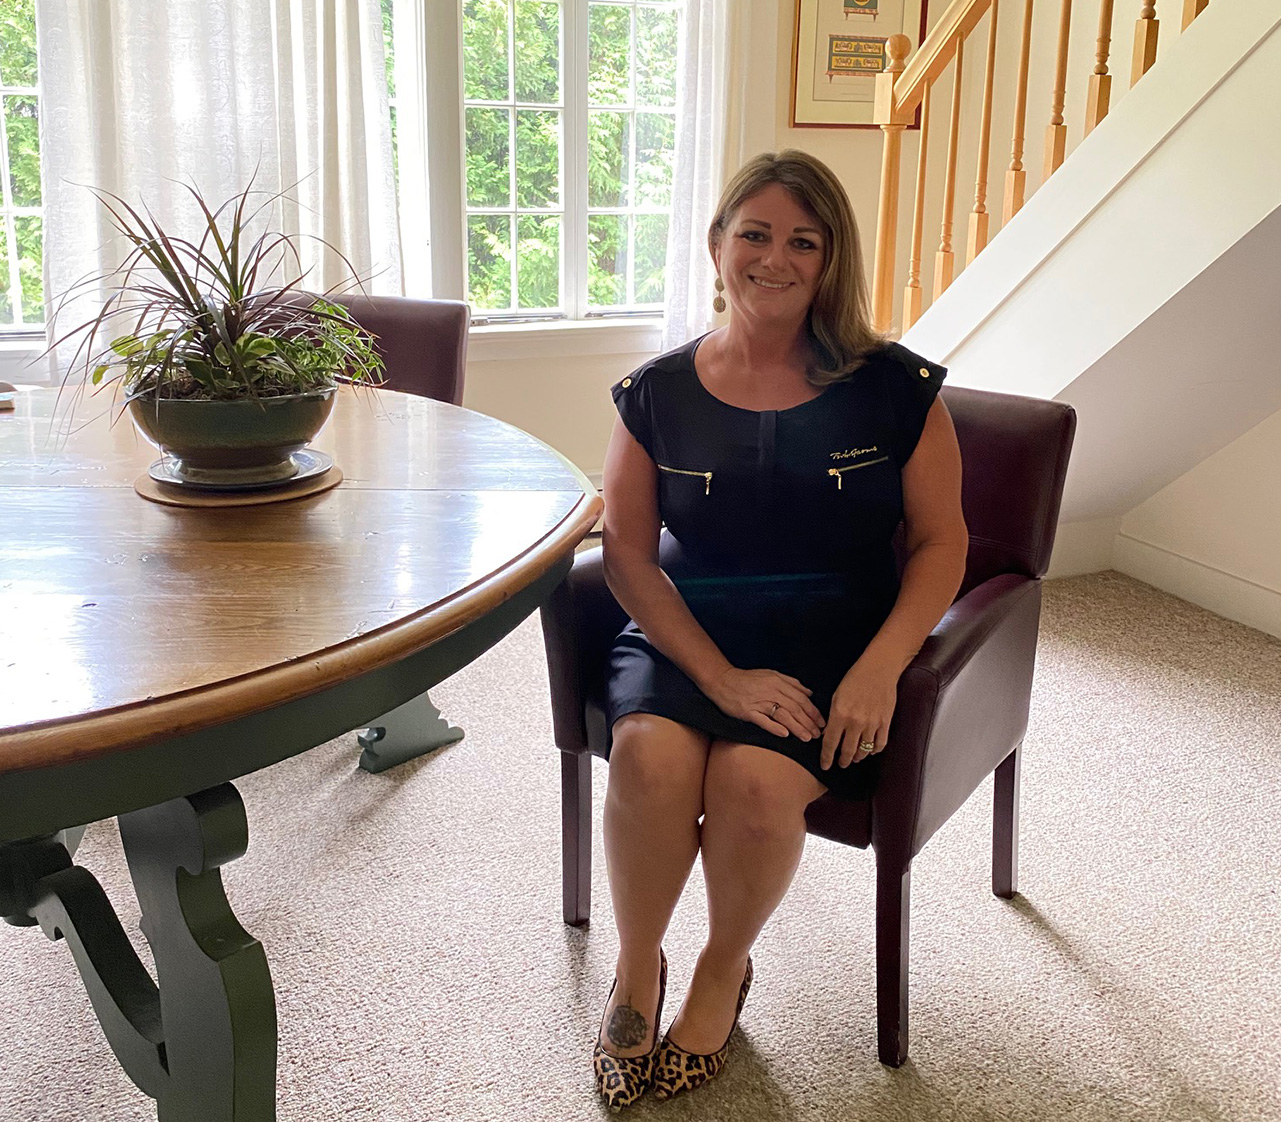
(773, 710)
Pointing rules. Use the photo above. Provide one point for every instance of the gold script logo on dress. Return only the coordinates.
(850, 453)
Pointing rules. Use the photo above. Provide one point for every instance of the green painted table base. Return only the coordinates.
(201, 1039)
(407, 732)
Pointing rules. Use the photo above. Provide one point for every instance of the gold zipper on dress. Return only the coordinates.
(704, 475)
(854, 467)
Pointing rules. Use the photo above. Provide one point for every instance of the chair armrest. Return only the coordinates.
(581, 619)
(962, 708)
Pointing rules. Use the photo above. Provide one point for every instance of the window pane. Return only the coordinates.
(488, 158)
(609, 64)
(607, 259)
(538, 261)
(537, 52)
(389, 53)
(655, 158)
(395, 148)
(30, 239)
(489, 256)
(18, 43)
(607, 170)
(537, 158)
(656, 38)
(24, 149)
(651, 258)
(6, 305)
(485, 50)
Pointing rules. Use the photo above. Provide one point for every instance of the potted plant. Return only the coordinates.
(225, 362)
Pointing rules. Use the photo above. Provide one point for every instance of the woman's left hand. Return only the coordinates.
(861, 710)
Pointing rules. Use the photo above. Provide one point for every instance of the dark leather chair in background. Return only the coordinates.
(423, 342)
(962, 704)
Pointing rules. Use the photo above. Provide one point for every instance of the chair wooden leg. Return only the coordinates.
(1005, 826)
(893, 902)
(576, 836)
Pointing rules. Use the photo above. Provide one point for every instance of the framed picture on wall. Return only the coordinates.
(838, 49)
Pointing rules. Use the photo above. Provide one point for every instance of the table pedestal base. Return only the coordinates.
(202, 1042)
(407, 732)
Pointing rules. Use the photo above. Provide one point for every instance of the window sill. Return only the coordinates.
(18, 361)
(564, 339)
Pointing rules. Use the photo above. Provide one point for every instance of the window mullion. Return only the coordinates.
(575, 154)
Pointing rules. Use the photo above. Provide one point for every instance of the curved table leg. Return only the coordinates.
(202, 1043)
(405, 733)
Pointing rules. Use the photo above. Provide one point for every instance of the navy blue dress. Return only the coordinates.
(783, 522)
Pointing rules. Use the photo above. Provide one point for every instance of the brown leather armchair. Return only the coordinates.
(962, 704)
(423, 342)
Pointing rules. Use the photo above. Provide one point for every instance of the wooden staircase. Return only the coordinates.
(904, 96)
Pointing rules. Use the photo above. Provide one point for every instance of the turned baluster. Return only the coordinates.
(1145, 35)
(979, 216)
(1100, 97)
(1016, 177)
(945, 259)
(1056, 131)
(892, 121)
(1192, 9)
(912, 290)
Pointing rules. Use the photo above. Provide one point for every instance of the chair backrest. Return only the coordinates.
(1014, 456)
(423, 342)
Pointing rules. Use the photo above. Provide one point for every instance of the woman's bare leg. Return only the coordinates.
(752, 838)
(652, 807)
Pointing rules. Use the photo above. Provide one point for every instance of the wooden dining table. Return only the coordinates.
(152, 654)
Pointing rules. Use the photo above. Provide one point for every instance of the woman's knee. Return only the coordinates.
(657, 762)
(761, 792)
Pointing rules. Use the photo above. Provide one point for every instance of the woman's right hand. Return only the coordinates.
(776, 702)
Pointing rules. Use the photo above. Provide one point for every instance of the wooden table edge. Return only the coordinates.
(83, 737)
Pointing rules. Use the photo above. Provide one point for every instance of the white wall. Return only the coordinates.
(1213, 536)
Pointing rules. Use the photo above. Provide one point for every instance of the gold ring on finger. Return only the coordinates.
(868, 746)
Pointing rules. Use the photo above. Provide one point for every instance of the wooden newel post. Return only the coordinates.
(893, 120)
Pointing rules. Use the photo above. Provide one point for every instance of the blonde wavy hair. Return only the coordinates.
(840, 319)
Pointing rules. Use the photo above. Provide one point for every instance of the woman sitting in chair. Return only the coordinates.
(760, 666)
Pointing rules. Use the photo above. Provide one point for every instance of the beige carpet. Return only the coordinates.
(412, 920)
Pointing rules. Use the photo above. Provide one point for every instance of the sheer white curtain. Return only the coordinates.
(140, 97)
(724, 114)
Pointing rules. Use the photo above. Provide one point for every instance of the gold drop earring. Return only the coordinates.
(718, 305)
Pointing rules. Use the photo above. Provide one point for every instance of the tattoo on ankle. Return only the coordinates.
(627, 1027)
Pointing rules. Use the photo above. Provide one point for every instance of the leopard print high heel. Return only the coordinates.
(676, 1070)
(621, 1080)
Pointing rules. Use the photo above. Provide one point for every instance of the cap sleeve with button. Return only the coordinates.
(632, 400)
(914, 383)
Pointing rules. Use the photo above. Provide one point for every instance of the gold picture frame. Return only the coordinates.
(838, 48)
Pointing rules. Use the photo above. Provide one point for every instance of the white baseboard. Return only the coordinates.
(1221, 592)
(1083, 547)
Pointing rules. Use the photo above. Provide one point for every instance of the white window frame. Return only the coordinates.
(428, 40)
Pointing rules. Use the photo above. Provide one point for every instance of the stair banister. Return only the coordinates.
(905, 87)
